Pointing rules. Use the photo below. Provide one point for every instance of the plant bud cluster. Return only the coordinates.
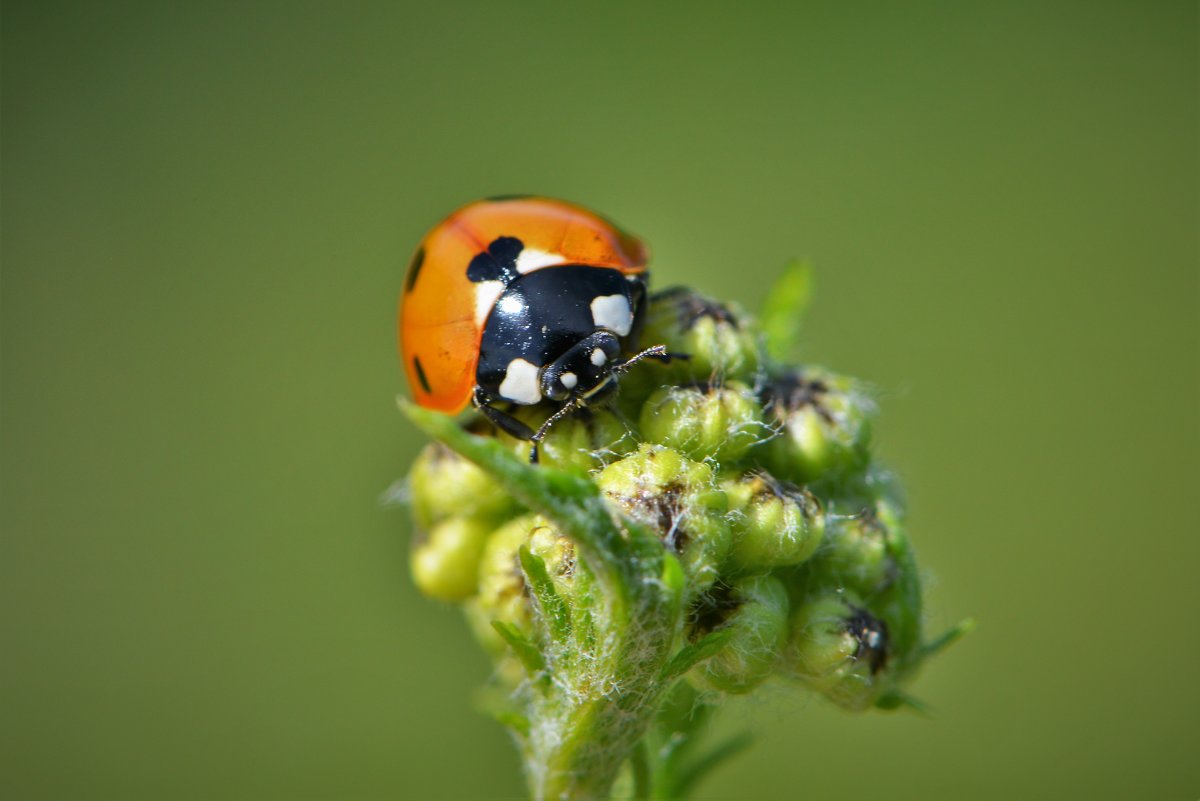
(758, 476)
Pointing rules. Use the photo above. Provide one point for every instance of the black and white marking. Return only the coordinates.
(521, 383)
(539, 316)
(613, 312)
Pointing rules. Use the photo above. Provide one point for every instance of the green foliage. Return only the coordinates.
(740, 532)
(783, 311)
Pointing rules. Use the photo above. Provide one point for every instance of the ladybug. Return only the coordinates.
(524, 301)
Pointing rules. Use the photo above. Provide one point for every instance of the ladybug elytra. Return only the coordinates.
(522, 300)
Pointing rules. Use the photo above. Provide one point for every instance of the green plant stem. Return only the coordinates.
(607, 687)
(678, 733)
(642, 772)
(590, 721)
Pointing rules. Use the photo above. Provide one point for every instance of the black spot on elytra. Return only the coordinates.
(421, 375)
(414, 269)
(498, 262)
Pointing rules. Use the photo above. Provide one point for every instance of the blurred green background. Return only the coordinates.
(207, 209)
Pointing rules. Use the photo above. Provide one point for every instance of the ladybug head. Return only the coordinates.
(583, 371)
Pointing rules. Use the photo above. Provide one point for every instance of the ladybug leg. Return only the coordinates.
(502, 420)
(666, 357)
(537, 438)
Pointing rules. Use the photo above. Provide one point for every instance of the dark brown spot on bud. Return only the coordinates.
(791, 392)
(871, 633)
(712, 609)
(692, 307)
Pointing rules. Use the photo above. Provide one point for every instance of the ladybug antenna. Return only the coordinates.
(658, 353)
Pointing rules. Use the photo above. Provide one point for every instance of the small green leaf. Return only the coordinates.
(895, 699)
(693, 654)
(513, 720)
(783, 310)
(900, 603)
(948, 638)
(694, 772)
(673, 579)
(558, 618)
(526, 651)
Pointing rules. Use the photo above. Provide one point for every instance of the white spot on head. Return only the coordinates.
(599, 357)
(569, 380)
(520, 384)
(531, 259)
(486, 295)
(612, 312)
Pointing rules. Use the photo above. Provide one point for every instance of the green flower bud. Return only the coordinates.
(502, 592)
(899, 602)
(579, 443)
(665, 490)
(824, 426)
(838, 648)
(774, 524)
(719, 339)
(444, 485)
(557, 551)
(719, 422)
(568, 572)
(446, 565)
(755, 612)
(573, 581)
(856, 553)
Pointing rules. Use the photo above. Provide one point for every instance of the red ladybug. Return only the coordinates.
(522, 300)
